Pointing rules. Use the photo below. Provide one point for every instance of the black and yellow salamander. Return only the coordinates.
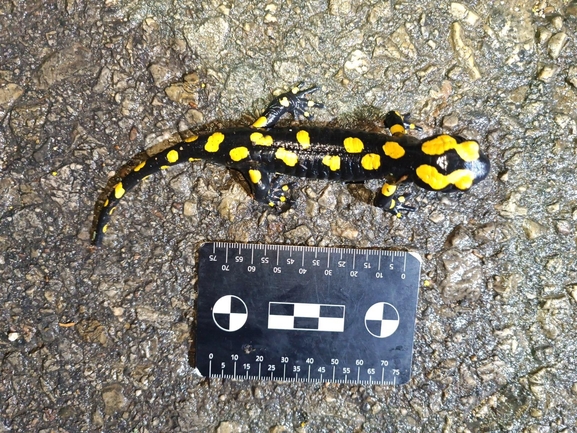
(442, 162)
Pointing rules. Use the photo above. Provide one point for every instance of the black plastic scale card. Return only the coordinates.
(305, 313)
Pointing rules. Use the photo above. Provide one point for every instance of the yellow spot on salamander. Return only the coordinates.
(353, 145)
(193, 159)
(261, 139)
(164, 167)
(213, 142)
(105, 228)
(467, 150)
(462, 179)
(106, 203)
(371, 161)
(288, 157)
(255, 176)
(333, 162)
(393, 150)
(172, 156)
(139, 166)
(238, 153)
(282, 198)
(304, 139)
(397, 129)
(388, 189)
(191, 139)
(260, 122)
(111, 210)
(284, 102)
(285, 188)
(119, 191)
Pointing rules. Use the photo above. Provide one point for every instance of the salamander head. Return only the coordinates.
(451, 163)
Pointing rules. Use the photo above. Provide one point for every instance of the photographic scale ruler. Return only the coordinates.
(295, 313)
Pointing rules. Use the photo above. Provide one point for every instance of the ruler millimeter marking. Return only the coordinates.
(279, 312)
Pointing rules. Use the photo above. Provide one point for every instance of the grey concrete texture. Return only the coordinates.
(100, 339)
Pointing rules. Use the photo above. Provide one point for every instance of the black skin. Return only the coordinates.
(323, 155)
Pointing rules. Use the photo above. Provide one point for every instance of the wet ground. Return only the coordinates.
(99, 340)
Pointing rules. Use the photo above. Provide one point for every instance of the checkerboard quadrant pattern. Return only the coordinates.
(229, 313)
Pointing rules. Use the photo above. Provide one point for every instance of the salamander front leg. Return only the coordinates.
(399, 123)
(388, 199)
(269, 191)
(294, 101)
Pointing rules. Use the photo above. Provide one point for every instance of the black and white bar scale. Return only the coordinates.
(282, 312)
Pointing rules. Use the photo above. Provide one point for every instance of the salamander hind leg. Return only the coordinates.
(399, 123)
(295, 101)
(279, 195)
(389, 200)
(268, 190)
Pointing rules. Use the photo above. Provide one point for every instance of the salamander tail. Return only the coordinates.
(176, 154)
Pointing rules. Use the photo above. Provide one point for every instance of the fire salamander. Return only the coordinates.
(442, 162)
